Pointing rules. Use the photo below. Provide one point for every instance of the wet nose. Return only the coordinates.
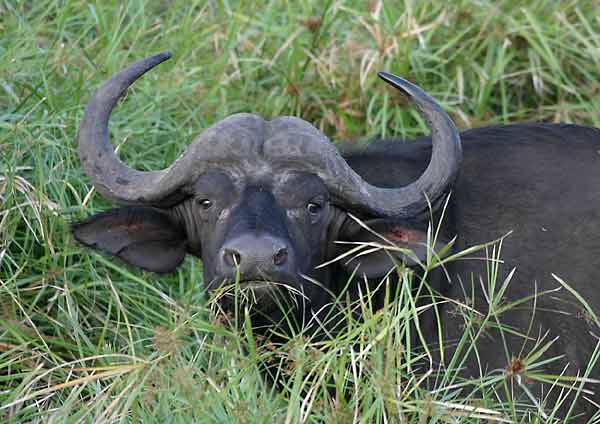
(255, 256)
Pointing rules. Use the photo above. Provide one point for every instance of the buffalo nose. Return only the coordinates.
(255, 255)
(280, 257)
(233, 257)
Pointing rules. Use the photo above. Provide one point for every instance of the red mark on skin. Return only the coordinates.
(403, 235)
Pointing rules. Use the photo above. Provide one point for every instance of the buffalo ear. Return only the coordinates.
(373, 262)
(144, 237)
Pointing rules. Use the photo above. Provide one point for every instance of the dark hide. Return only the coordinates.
(539, 182)
(144, 237)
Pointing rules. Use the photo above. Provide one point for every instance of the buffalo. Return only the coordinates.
(265, 202)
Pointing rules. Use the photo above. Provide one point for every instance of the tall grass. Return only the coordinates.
(84, 338)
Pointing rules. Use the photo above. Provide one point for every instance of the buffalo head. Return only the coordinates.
(257, 200)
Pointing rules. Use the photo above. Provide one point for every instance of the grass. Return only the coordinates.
(84, 338)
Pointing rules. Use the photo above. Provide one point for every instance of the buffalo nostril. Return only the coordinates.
(232, 258)
(280, 257)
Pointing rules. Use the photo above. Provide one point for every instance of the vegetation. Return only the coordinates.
(85, 338)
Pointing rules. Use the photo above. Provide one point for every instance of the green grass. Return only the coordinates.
(84, 338)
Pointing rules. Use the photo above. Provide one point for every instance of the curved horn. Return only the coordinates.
(308, 148)
(116, 181)
(446, 157)
(246, 133)
(111, 177)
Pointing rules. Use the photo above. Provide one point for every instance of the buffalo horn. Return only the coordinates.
(288, 140)
(411, 200)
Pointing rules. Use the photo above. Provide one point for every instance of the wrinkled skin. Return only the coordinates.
(265, 229)
(232, 212)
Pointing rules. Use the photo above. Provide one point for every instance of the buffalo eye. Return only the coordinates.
(205, 203)
(313, 208)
